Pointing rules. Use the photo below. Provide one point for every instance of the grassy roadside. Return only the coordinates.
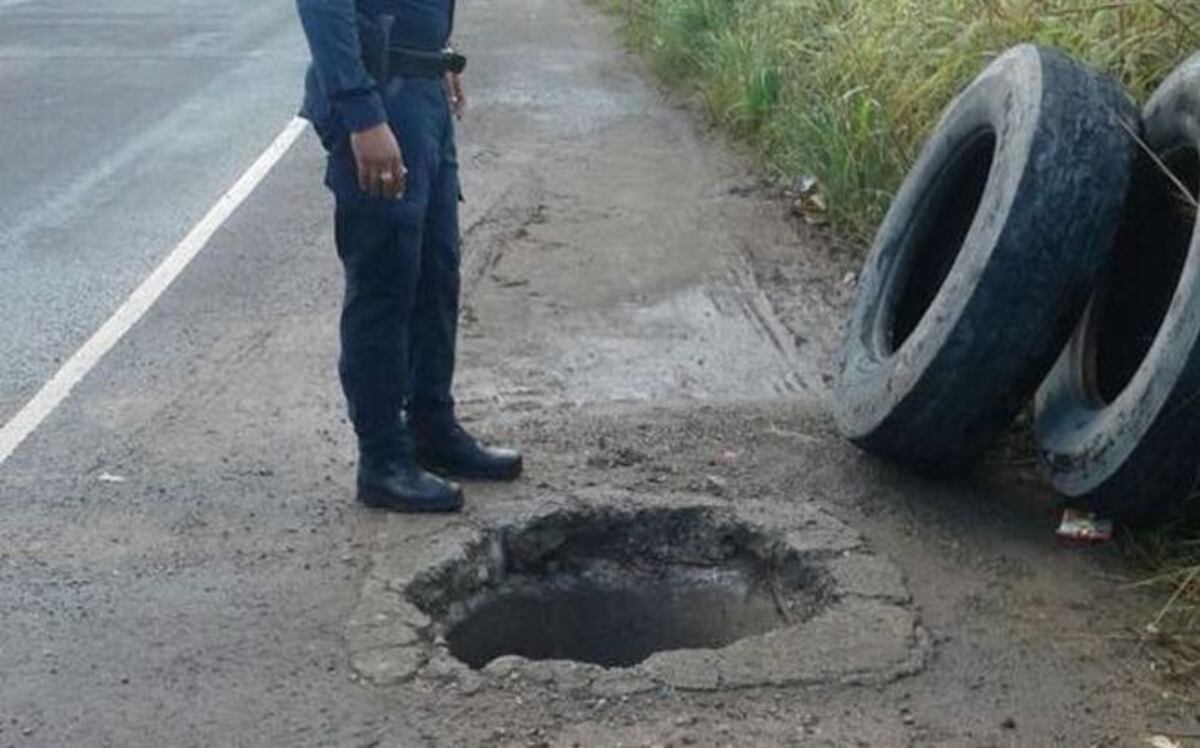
(846, 90)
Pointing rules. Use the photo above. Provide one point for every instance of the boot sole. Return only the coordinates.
(507, 476)
(380, 500)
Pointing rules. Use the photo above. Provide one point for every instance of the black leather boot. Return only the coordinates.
(443, 447)
(398, 485)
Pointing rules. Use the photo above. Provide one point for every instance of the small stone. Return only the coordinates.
(576, 677)
(545, 672)
(725, 458)
(810, 720)
(686, 721)
(620, 684)
(361, 638)
(1009, 724)
(504, 667)
(388, 666)
(471, 684)
(715, 484)
(444, 668)
(413, 616)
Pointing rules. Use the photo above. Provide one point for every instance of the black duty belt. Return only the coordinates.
(415, 63)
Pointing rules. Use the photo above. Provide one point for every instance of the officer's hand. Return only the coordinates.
(377, 157)
(454, 90)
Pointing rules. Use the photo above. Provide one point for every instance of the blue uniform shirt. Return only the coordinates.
(340, 96)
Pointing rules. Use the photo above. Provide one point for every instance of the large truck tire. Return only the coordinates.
(1118, 420)
(985, 260)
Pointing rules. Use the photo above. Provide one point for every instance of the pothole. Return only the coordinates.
(612, 590)
(616, 598)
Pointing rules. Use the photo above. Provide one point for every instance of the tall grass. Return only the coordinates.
(846, 90)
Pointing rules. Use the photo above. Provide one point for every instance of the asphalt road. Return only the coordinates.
(123, 121)
(181, 559)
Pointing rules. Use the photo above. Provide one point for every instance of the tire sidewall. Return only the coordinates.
(1023, 273)
(1120, 457)
(1005, 100)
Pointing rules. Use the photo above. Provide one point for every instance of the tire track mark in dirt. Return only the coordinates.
(504, 223)
(621, 286)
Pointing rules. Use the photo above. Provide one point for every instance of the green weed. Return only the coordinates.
(846, 90)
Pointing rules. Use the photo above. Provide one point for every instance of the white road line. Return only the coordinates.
(27, 420)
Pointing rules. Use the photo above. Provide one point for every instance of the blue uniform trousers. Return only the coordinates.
(401, 261)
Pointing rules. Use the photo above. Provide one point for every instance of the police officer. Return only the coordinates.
(382, 94)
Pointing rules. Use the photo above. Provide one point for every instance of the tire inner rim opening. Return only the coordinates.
(1133, 297)
(944, 219)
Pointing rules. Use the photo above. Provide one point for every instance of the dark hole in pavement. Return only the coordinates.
(613, 588)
